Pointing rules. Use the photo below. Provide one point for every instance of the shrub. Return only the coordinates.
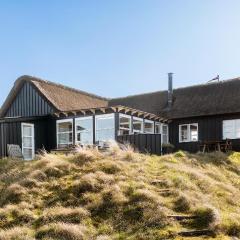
(16, 215)
(179, 154)
(62, 231)
(29, 183)
(109, 167)
(16, 233)
(12, 194)
(87, 183)
(38, 175)
(54, 172)
(182, 204)
(61, 214)
(207, 217)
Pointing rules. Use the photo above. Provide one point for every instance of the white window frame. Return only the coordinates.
(153, 126)
(164, 125)
(32, 137)
(76, 131)
(104, 116)
(122, 128)
(188, 132)
(234, 129)
(137, 131)
(62, 121)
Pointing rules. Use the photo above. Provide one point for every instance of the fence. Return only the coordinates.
(146, 143)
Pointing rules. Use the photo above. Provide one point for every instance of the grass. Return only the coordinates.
(119, 194)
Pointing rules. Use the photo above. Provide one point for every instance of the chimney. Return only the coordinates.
(170, 90)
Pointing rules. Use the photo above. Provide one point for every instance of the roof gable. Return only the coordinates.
(59, 97)
(28, 102)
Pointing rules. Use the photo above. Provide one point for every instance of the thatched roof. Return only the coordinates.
(60, 97)
(200, 100)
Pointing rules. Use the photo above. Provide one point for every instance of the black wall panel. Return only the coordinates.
(29, 103)
(44, 129)
(209, 129)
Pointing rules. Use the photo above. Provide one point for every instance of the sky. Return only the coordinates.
(119, 47)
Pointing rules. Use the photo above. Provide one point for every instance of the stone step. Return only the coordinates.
(182, 217)
(196, 233)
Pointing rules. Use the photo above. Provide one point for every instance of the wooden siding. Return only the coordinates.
(29, 102)
(209, 129)
(10, 133)
(150, 143)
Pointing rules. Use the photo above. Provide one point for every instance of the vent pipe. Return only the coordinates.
(170, 90)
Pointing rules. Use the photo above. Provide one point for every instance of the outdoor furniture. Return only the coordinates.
(217, 145)
(14, 151)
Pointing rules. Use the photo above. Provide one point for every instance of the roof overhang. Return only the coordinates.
(109, 109)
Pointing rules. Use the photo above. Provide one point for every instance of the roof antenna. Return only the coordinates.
(214, 79)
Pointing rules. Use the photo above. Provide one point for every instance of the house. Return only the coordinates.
(40, 114)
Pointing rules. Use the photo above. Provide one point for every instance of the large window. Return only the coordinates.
(188, 132)
(84, 130)
(64, 133)
(105, 129)
(124, 124)
(137, 125)
(231, 129)
(148, 126)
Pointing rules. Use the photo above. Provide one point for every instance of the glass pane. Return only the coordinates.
(105, 135)
(105, 123)
(27, 130)
(27, 153)
(125, 122)
(165, 139)
(65, 127)
(84, 124)
(65, 138)
(165, 129)
(148, 127)
(85, 137)
(228, 129)
(27, 142)
(157, 128)
(137, 125)
(184, 133)
(193, 133)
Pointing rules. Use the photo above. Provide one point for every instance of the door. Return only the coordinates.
(28, 149)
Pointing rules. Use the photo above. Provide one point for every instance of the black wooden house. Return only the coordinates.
(40, 114)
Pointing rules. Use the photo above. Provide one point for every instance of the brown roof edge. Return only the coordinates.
(14, 91)
(27, 78)
(32, 78)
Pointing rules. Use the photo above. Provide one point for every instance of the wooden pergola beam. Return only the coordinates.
(102, 110)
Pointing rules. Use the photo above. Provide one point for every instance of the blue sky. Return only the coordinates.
(119, 47)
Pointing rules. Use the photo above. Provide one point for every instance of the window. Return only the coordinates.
(124, 124)
(105, 127)
(164, 132)
(64, 133)
(84, 130)
(188, 132)
(231, 129)
(148, 126)
(157, 127)
(137, 125)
